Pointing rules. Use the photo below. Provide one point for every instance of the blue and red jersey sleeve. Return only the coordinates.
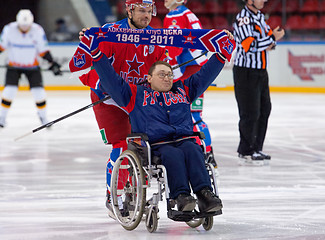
(200, 81)
(111, 83)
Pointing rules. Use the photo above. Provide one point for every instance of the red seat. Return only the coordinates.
(271, 7)
(156, 22)
(322, 22)
(161, 9)
(310, 22)
(292, 6)
(196, 7)
(294, 23)
(274, 21)
(230, 6)
(322, 6)
(219, 22)
(213, 7)
(206, 22)
(120, 8)
(310, 6)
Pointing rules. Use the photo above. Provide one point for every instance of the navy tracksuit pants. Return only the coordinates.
(184, 162)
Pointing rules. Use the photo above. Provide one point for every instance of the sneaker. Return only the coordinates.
(254, 159)
(265, 156)
(185, 202)
(208, 201)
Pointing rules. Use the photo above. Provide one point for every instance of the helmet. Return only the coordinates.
(24, 19)
(130, 4)
(139, 1)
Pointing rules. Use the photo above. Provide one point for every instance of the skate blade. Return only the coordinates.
(249, 162)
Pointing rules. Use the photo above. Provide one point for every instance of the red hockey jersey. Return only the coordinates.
(182, 17)
(130, 61)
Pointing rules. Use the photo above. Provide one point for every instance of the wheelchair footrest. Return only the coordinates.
(180, 216)
(188, 216)
(207, 214)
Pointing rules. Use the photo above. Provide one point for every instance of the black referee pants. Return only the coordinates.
(254, 107)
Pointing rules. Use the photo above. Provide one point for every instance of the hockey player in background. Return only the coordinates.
(131, 62)
(25, 41)
(180, 16)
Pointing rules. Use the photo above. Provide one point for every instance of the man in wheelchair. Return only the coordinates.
(162, 111)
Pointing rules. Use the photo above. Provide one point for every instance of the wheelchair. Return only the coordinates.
(132, 175)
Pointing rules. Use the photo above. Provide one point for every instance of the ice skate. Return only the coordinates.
(266, 157)
(109, 207)
(255, 159)
(2, 122)
(212, 160)
(43, 119)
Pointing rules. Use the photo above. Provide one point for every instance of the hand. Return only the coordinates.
(229, 34)
(90, 39)
(271, 47)
(55, 68)
(82, 33)
(278, 33)
(227, 46)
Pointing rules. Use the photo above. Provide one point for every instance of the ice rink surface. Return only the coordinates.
(52, 183)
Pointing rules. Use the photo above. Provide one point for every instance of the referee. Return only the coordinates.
(254, 38)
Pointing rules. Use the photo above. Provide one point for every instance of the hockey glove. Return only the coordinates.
(55, 68)
(91, 39)
(82, 59)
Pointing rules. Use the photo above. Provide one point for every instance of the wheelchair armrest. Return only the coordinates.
(143, 136)
(199, 134)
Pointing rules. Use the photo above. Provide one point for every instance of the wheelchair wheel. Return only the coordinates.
(127, 190)
(208, 223)
(195, 222)
(152, 223)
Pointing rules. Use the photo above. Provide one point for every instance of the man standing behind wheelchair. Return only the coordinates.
(162, 111)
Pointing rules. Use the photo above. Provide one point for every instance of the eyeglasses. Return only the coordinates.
(163, 75)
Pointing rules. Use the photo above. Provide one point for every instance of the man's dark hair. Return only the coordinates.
(153, 66)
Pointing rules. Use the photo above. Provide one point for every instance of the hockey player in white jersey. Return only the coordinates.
(25, 42)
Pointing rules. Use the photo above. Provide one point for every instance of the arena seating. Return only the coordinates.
(295, 16)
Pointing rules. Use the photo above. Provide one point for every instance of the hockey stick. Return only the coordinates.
(184, 63)
(63, 117)
(89, 106)
(42, 69)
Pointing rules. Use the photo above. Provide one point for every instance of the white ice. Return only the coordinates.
(52, 183)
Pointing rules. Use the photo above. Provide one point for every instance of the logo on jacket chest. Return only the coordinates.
(164, 98)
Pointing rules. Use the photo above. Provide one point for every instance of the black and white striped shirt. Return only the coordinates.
(253, 36)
